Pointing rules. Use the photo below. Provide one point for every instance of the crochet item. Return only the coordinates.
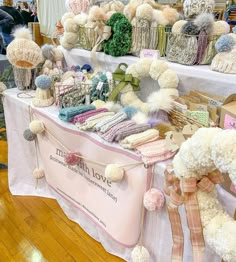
(43, 96)
(120, 42)
(154, 152)
(83, 117)
(91, 122)
(105, 125)
(23, 52)
(111, 133)
(67, 114)
(193, 8)
(134, 129)
(73, 97)
(100, 87)
(136, 140)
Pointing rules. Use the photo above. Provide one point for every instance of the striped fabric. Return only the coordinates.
(83, 117)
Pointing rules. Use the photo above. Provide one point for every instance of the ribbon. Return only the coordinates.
(186, 194)
(124, 79)
(104, 33)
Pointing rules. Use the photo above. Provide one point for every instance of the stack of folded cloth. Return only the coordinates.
(92, 121)
(68, 113)
(81, 118)
(133, 141)
(107, 124)
(111, 133)
(154, 152)
(131, 130)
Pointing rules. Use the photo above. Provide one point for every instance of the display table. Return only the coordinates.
(191, 77)
(22, 159)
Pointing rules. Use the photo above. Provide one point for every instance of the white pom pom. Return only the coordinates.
(112, 107)
(140, 254)
(168, 79)
(36, 127)
(140, 118)
(38, 173)
(81, 19)
(144, 11)
(114, 172)
(159, 100)
(23, 33)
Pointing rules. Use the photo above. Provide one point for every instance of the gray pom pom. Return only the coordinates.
(204, 22)
(190, 29)
(28, 135)
(48, 52)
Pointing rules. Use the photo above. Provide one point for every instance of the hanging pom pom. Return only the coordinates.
(28, 135)
(140, 254)
(114, 172)
(72, 158)
(36, 127)
(38, 173)
(153, 199)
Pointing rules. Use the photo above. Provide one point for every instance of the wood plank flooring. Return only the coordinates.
(34, 229)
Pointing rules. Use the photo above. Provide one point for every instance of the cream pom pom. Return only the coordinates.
(220, 28)
(129, 11)
(71, 26)
(143, 67)
(38, 173)
(153, 199)
(23, 33)
(177, 27)
(114, 172)
(140, 254)
(66, 16)
(81, 19)
(140, 118)
(96, 14)
(144, 11)
(131, 70)
(158, 16)
(98, 104)
(157, 68)
(36, 127)
(168, 79)
(113, 107)
(159, 100)
(171, 15)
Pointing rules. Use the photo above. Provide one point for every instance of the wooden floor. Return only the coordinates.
(36, 230)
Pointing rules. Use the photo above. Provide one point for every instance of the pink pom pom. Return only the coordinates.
(153, 199)
(72, 158)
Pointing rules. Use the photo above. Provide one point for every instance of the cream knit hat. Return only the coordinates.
(193, 8)
(23, 52)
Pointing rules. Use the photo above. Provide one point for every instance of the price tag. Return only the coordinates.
(214, 103)
(99, 86)
(150, 53)
(87, 100)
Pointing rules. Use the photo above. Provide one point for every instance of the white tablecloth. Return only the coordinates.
(22, 160)
(191, 77)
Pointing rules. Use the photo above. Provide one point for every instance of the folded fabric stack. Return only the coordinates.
(83, 117)
(133, 141)
(67, 114)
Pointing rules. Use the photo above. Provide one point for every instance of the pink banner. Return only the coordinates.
(115, 207)
(229, 122)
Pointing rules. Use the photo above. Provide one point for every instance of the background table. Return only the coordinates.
(198, 77)
(22, 159)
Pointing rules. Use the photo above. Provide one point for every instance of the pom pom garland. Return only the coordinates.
(140, 254)
(72, 158)
(36, 127)
(114, 172)
(38, 173)
(28, 135)
(153, 199)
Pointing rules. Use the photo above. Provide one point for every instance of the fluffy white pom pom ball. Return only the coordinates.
(38, 173)
(140, 254)
(36, 127)
(114, 172)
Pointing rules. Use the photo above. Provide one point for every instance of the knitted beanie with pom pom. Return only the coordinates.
(23, 52)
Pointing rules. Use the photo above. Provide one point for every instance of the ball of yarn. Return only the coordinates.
(190, 29)
(224, 43)
(114, 172)
(36, 127)
(153, 199)
(38, 173)
(28, 135)
(72, 158)
(140, 254)
(43, 82)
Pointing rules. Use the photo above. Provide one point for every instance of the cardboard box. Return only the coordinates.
(228, 113)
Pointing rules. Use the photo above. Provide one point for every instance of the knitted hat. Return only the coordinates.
(23, 52)
(195, 7)
(43, 95)
(77, 6)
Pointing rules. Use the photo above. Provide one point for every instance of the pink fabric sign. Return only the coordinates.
(115, 207)
(229, 122)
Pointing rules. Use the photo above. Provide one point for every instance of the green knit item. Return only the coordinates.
(120, 42)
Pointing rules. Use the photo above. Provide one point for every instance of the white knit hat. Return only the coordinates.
(193, 8)
(23, 52)
(43, 96)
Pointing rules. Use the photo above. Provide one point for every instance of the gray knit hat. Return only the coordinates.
(195, 7)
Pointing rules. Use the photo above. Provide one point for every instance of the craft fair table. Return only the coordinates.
(191, 77)
(22, 161)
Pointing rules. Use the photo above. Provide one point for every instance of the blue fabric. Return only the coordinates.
(7, 38)
(68, 113)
